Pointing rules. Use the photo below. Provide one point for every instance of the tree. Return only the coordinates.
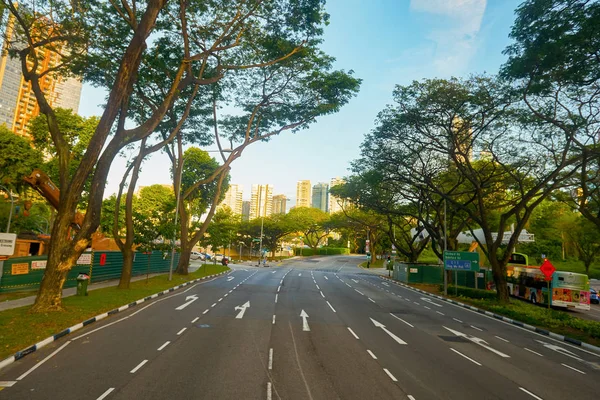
(427, 140)
(194, 44)
(586, 237)
(312, 222)
(17, 159)
(222, 230)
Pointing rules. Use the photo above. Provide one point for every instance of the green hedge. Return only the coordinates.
(323, 251)
(469, 292)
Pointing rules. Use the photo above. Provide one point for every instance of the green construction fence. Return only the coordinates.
(434, 274)
(25, 273)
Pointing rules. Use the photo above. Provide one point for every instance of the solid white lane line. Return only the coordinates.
(43, 361)
(359, 292)
(271, 358)
(273, 319)
(468, 358)
(371, 299)
(140, 365)
(372, 355)
(205, 311)
(181, 331)
(330, 306)
(441, 313)
(531, 394)
(164, 345)
(534, 352)
(269, 391)
(195, 319)
(479, 329)
(574, 369)
(504, 340)
(352, 332)
(400, 319)
(214, 304)
(103, 395)
(322, 294)
(276, 298)
(392, 377)
(457, 320)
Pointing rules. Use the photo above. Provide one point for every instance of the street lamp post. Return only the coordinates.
(12, 204)
(176, 215)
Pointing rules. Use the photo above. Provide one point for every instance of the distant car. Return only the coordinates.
(194, 255)
(594, 299)
(219, 257)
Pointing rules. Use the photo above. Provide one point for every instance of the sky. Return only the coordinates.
(385, 43)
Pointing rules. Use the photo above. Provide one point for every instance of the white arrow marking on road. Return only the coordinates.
(560, 350)
(242, 309)
(304, 317)
(380, 325)
(189, 300)
(478, 341)
(430, 302)
(230, 278)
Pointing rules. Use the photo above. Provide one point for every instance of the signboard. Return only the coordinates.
(7, 243)
(461, 261)
(20, 269)
(414, 270)
(39, 264)
(547, 269)
(85, 259)
(480, 274)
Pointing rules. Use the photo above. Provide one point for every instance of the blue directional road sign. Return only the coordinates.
(461, 261)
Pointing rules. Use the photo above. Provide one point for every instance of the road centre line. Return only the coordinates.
(140, 365)
(322, 294)
(371, 354)
(318, 287)
(278, 288)
(348, 285)
(195, 319)
(359, 292)
(326, 277)
(352, 332)
(205, 311)
(441, 313)
(181, 331)
(271, 358)
(468, 358)
(427, 307)
(534, 352)
(103, 395)
(416, 303)
(43, 361)
(392, 377)
(531, 394)
(574, 369)
(398, 318)
(214, 304)
(457, 320)
(273, 319)
(221, 299)
(411, 397)
(371, 300)
(163, 346)
(476, 328)
(276, 298)
(269, 391)
(504, 340)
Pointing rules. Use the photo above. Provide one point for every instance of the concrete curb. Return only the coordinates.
(520, 324)
(20, 354)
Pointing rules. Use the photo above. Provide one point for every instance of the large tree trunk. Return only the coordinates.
(127, 253)
(499, 273)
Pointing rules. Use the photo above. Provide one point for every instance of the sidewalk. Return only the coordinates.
(27, 301)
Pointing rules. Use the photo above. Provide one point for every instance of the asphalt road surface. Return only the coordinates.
(318, 328)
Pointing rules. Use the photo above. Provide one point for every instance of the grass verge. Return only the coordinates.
(22, 328)
(561, 322)
(374, 264)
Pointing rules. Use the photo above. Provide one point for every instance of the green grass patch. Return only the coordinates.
(577, 266)
(374, 264)
(22, 328)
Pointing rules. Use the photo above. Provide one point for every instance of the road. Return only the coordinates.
(317, 328)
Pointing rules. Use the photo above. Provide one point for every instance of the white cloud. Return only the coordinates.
(457, 38)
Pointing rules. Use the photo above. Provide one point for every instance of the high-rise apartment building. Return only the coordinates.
(320, 193)
(245, 210)
(261, 201)
(18, 104)
(279, 204)
(335, 203)
(233, 199)
(303, 194)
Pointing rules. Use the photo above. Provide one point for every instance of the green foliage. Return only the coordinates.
(222, 230)
(470, 293)
(586, 237)
(17, 159)
(322, 251)
(199, 165)
(107, 216)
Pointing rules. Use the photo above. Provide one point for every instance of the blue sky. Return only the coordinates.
(385, 42)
